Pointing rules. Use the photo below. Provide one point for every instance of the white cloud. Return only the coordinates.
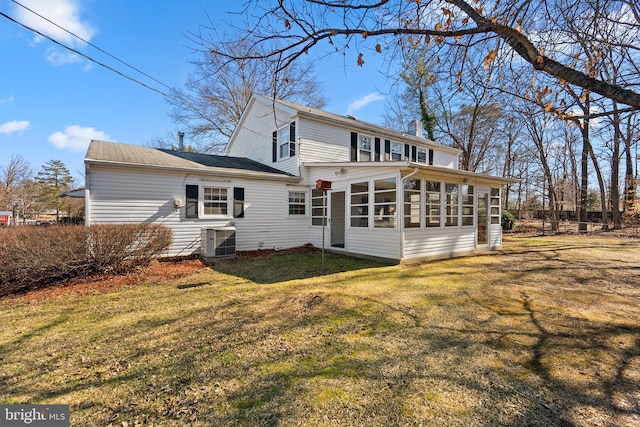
(14, 126)
(76, 138)
(363, 102)
(8, 100)
(65, 13)
(59, 58)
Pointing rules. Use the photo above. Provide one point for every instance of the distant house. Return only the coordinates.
(5, 218)
(393, 195)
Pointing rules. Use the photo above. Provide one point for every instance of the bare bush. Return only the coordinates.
(33, 257)
(120, 247)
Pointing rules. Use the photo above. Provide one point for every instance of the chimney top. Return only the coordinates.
(415, 128)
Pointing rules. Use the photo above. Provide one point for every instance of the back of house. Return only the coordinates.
(393, 195)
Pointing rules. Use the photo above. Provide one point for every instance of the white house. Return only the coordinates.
(393, 195)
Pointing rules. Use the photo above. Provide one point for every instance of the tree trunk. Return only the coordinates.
(615, 170)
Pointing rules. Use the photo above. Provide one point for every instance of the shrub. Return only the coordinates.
(36, 256)
(507, 220)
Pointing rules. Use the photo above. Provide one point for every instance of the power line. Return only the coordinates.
(92, 45)
(173, 98)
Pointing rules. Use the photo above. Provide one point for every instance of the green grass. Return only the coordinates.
(547, 332)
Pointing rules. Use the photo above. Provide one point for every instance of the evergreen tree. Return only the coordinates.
(54, 178)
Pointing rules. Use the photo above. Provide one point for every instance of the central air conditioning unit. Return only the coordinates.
(219, 242)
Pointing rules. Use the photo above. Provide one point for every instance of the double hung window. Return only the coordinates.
(297, 203)
(364, 149)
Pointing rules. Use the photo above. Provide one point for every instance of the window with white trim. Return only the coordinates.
(397, 151)
(495, 206)
(384, 204)
(318, 207)
(215, 201)
(297, 203)
(451, 200)
(432, 203)
(284, 142)
(412, 203)
(364, 148)
(467, 202)
(360, 204)
(421, 155)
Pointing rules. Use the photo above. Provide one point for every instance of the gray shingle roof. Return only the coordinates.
(229, 162)
(106, 152)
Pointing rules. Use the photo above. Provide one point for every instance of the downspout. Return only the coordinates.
(401, 221)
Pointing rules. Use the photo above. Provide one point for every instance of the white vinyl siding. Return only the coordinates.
(266, 223)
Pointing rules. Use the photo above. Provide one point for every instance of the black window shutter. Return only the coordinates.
(191, 194)
(414, 153)
(292, 139)
(407, 149)
(377, 148)
(238, 202)
(430, 157)
(275, 146)
(354, 147)
(387, 149)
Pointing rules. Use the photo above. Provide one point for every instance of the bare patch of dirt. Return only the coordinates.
(156, 271)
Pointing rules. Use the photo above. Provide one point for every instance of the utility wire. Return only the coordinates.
(173, 98)
(92, 45)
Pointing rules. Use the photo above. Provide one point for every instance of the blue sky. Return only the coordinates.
(53, 102)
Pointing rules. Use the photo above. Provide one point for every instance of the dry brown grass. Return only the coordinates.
(545, 333)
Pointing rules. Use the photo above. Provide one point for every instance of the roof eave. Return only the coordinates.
(225, 172)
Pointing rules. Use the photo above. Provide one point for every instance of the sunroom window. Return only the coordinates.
(467, 204)
(412, 203)
(451, 198)
(384, 206)
(360, 204)
(432, 205)
(495, 206)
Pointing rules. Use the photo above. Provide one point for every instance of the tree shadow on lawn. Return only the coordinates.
(284, 267)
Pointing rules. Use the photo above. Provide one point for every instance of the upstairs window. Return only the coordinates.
(364, 149)
(396, 151)
(284, 142)
(421, 155)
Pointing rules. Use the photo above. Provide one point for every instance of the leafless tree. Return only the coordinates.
(285, 31)
(214, 97)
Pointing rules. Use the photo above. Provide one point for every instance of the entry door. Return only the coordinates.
(337, 219)
(483, 218)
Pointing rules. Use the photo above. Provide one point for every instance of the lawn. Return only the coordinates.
(546, 332)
